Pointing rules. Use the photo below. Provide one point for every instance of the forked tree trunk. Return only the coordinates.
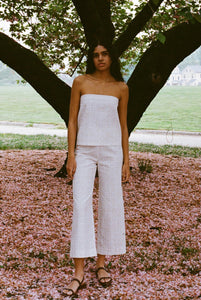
(148, 77)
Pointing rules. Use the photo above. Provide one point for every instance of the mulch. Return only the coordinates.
(163, 227)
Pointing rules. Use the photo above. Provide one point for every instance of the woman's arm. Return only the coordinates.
(72, 126)
(122, 110)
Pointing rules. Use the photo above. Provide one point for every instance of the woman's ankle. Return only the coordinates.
(100, 263)
(79, 268)
(79, 274)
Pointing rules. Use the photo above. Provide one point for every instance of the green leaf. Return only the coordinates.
(197, 17)
(161, 37)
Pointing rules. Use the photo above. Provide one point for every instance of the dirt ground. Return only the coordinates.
(163, 227)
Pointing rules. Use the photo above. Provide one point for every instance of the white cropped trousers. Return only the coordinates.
(111, 224)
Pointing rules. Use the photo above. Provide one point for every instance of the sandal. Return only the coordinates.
(73, 293)
(100, 280)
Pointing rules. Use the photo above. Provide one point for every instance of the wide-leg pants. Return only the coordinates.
(111, 224)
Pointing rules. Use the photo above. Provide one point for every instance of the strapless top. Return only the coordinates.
(98, 120)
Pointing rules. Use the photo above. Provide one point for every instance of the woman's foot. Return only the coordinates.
(103, 276)
(72, 289)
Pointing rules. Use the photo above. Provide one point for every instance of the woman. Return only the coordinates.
(97, 137)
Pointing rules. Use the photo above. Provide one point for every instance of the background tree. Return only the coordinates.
(160, 35)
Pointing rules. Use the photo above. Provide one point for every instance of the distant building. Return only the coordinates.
(175, 77)
(190, 76)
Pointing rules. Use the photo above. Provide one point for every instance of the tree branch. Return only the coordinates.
(105, 14)
(136, 25)
(27, 64)
(156, 65)
(95, 18)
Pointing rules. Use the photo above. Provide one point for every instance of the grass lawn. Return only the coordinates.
(43, 142)
(24, 104)
(174, 108)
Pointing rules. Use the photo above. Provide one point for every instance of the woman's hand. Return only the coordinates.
(71, 166)
(125, 172)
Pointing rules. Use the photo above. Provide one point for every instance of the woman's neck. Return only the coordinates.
(102, 76)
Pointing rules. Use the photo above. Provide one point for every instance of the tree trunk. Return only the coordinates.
(149, 76)
(96, 19)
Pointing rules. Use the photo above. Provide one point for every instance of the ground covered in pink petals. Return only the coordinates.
(163, 224)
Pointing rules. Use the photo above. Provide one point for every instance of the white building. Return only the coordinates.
(175, 77)
(190, 75)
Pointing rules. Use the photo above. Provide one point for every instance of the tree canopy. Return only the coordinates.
(54, 31)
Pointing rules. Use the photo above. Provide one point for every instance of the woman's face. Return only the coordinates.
(101, 58)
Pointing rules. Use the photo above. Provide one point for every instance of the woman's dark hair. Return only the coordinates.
(115, 66)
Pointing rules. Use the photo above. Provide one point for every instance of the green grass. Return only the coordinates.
(41, 142)
(166, 149)
(174, 108)
(24, 104)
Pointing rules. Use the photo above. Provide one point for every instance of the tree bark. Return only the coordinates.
(155, 66)
(95, 18)
(105, 14)
(27, 64)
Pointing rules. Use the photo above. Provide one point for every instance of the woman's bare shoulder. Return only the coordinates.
(80, 79)
(122, 85)
(123, 88)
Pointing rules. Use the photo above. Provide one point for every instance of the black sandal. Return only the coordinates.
(74, 293)
(100, 280)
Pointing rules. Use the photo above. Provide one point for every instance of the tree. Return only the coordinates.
(160, 36)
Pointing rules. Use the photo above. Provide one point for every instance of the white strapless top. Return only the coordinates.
(98, 120)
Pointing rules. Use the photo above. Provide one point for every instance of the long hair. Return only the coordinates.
(115, 65)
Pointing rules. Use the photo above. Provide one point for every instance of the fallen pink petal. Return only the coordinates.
(163, 225)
